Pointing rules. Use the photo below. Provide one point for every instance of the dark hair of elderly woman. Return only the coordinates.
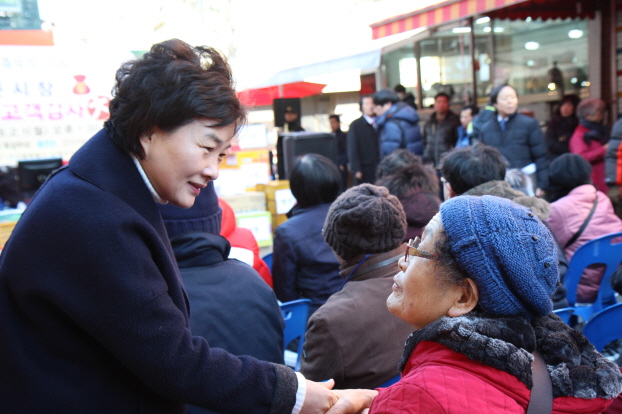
(93, 313)
(477, 290)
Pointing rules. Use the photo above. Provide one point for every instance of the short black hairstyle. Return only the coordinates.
(399, 88)
(474, 109)
(171, 86)
(494, 93)
(384, 96)
(314, 180)
(466, 168)
(334, 116)
(441, 94)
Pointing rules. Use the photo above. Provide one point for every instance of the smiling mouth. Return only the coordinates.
(197, 187)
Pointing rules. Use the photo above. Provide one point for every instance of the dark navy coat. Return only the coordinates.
(93, 314)
(303, 264)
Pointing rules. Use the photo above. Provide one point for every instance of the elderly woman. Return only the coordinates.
(590, 139)
(477, 290)
(93, 313)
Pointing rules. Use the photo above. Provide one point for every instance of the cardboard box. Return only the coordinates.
(259, 223)
(279, 200)
(249, 201)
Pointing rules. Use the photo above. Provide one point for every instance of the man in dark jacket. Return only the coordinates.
(362, 143)
(397, 124)
(342, 149)
(440, 132)
(353, 338)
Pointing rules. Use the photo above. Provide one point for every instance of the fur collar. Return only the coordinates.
(506, 343)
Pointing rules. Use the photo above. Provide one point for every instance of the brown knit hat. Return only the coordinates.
(365, 219)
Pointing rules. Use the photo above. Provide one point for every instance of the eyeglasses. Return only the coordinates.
(412, 249)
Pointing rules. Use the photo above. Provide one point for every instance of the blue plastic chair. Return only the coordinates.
(604, 327)
(295, 314)
(564, 314)
(600, 251)
(391, 381)
(268, 259)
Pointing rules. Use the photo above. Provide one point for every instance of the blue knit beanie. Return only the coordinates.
(204, 216)
(506, 250)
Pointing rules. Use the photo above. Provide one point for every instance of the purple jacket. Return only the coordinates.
(568, 214)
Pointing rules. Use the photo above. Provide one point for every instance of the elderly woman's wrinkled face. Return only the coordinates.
(419, 296)
(179, 164)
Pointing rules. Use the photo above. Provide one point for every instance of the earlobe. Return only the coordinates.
(452, 193)
(467, 299)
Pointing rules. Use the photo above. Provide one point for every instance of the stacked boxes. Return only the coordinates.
(250, 213)
(279, 199)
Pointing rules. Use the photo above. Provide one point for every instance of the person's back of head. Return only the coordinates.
(385, 96)
(204, 216)
(399, 88)
(567, 172)
(314, 180)
(365, 219)
(466, 168)
(413, 176)
(397, 160)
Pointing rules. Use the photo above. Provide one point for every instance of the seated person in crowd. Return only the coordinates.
(353, 338)
(303, 265)
(476, 289)
(479, 170)
(244, 246)
(573, 197)
(414, 184)
(245, 320)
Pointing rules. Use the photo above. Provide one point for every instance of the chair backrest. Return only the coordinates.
(604, 327)
(564, 314)
(295, 314)
(268, 260)
(390, 382)
(600, 250)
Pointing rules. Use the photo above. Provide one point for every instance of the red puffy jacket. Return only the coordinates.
(243, 239)
(439, 380)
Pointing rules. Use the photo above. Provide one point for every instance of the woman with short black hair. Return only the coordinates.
(304, 266)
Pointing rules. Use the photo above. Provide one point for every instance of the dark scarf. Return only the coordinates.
(596, 131)
(506, 343)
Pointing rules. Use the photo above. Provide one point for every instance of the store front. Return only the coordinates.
(545, 49)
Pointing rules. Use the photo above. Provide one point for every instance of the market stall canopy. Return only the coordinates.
(453, 10)
(265, 96)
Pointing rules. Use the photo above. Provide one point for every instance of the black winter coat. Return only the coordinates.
(521, 143)
(93, 314)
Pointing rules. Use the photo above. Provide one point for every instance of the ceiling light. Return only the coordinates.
(532, 45)
(461, 30)
(575, 34)
(574, 80)
(528, 19)
(487, 29)
(531, 63)
(482, 20)
(552, 86)
(499, 30)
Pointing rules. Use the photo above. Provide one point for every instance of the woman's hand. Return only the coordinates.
(353, 401)
(319, 398)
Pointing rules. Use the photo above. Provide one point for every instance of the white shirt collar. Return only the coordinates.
(152, 190)
(500, 118)
(369, 119)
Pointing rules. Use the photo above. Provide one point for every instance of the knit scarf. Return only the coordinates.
(596, 131)
(506, 343)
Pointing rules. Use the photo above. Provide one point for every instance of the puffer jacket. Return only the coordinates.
(439, 137)
(568, 214)
(479, 363)
(521, 143)
(594, 153)
(399, 128)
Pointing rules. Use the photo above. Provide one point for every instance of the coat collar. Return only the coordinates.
(506, 343)
(199, 249)
(367, 270)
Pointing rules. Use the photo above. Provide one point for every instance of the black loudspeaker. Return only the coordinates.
(279, 106)
(297, 144)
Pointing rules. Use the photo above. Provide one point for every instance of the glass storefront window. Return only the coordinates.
(400, 67)
(446, 66)
(543, 60)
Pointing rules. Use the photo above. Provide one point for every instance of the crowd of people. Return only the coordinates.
(126, 288)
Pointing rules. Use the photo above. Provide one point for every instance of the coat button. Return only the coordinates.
(547, 265)
(534, 237)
